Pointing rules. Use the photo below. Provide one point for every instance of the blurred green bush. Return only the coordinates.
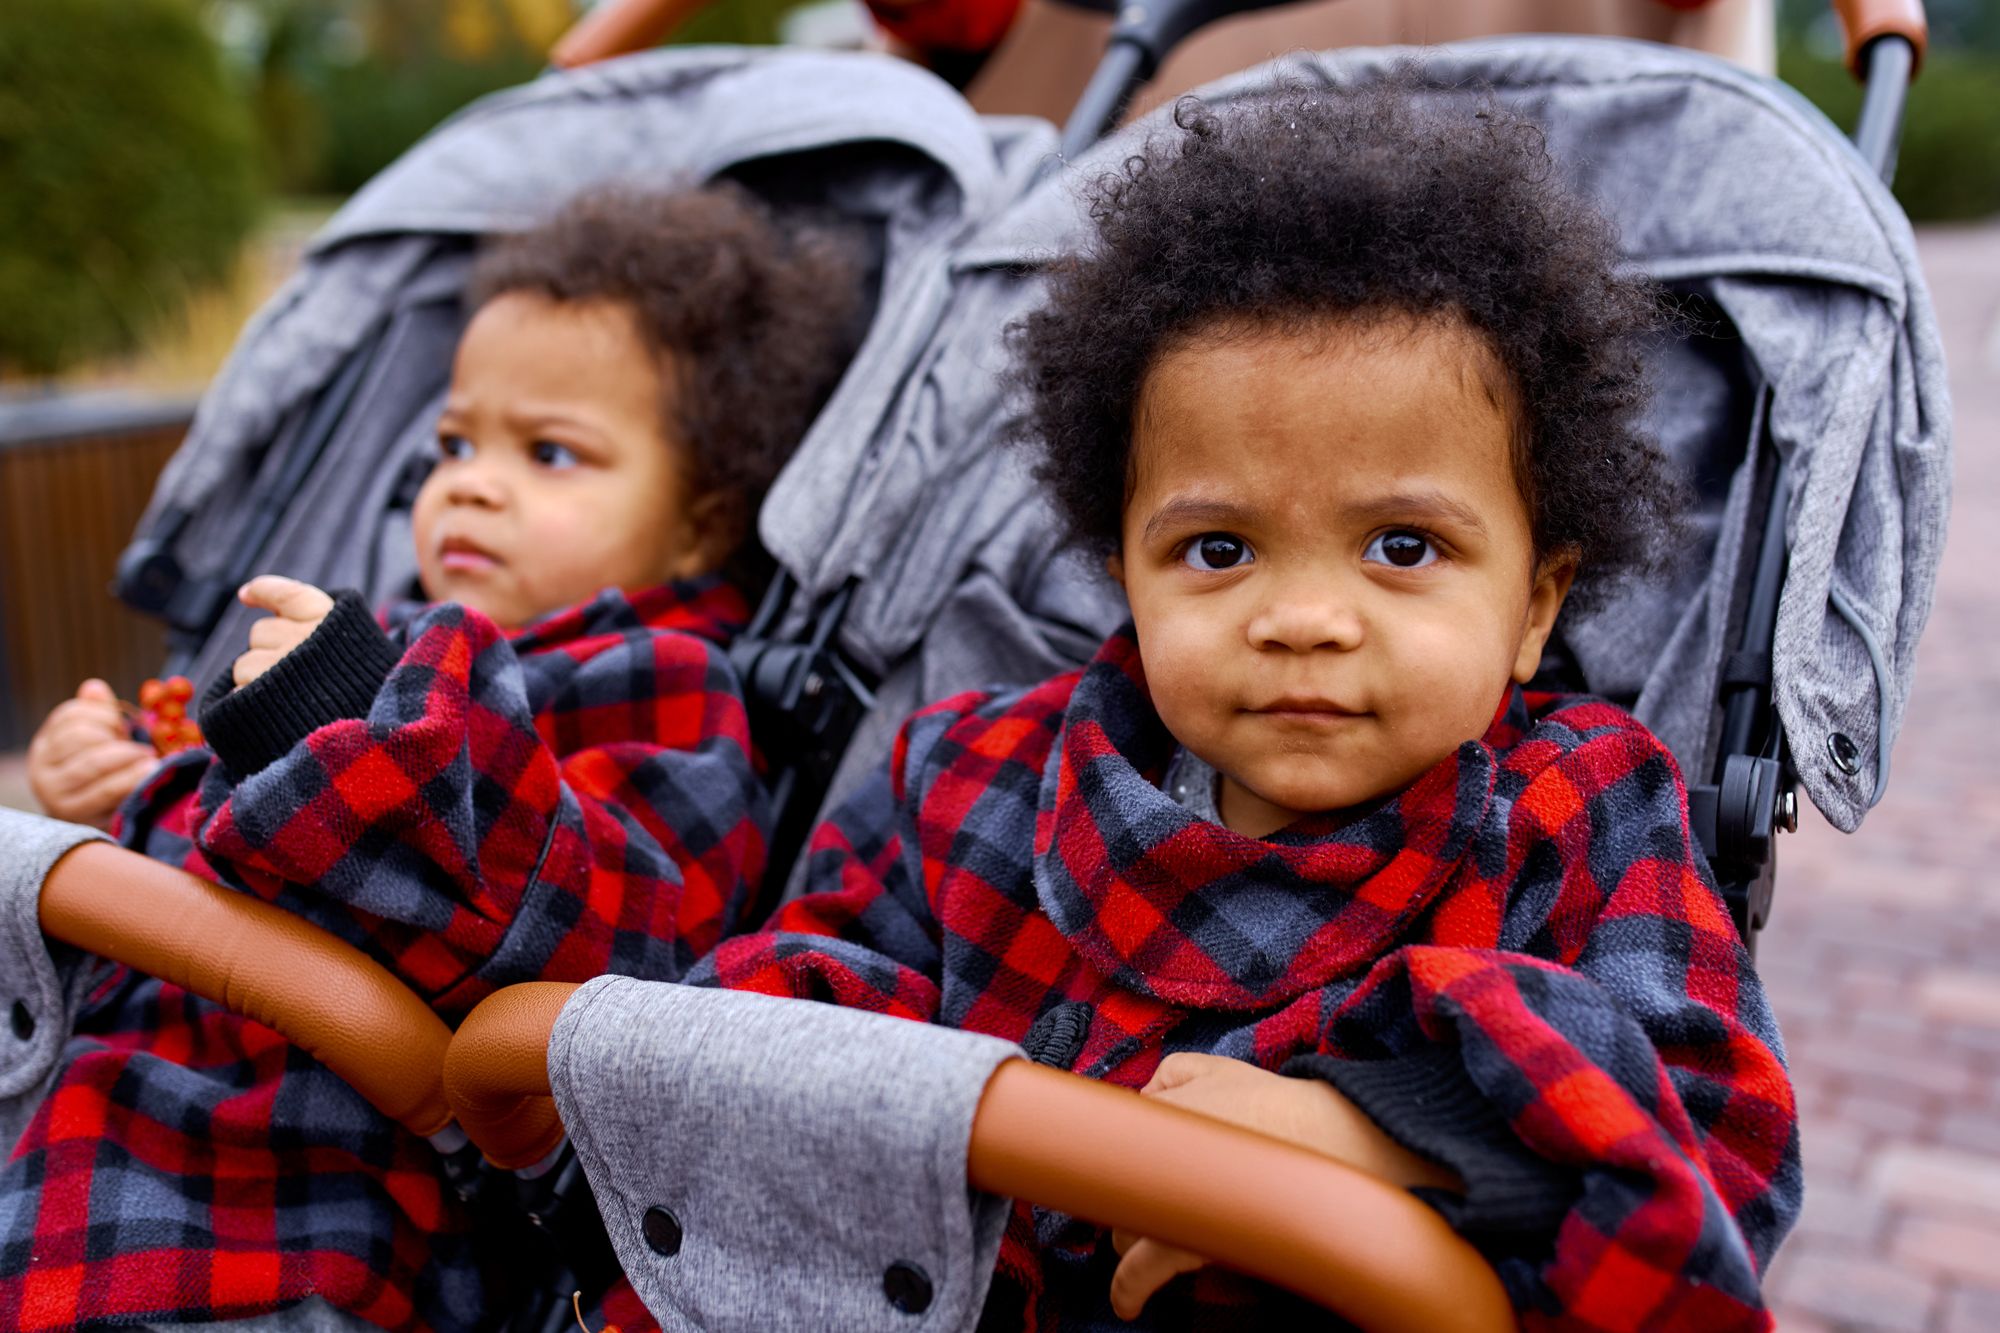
(1949, 168)
(127, 174)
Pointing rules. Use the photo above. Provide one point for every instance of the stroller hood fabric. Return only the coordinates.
(1725, 187)
(366, 329)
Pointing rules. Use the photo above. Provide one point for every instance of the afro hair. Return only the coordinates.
(1309, 207)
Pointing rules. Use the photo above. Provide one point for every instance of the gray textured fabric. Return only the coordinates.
(706, 1103)
(1724, 185)
(48, 981)
(1191, 781)
(895, 147)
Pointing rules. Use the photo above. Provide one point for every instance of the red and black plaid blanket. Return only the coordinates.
(576, 799)
(1518, 966)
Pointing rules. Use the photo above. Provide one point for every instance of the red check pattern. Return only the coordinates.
(577, 799)
(1532, 912)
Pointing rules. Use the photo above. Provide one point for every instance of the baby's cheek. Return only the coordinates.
(1185, 686)
(1180, 703)
(1443, 688)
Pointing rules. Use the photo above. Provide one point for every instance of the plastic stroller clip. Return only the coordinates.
(805, 702)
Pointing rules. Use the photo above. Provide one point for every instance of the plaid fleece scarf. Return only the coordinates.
(1518, 965)
(577, 799)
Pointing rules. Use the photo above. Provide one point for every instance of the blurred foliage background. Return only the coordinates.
(126, 174)
(142, 142)
(1949, 169)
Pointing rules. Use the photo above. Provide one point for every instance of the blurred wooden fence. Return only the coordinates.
(75, 474)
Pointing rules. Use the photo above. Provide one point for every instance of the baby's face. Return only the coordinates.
(557, 475)
(1330, 566)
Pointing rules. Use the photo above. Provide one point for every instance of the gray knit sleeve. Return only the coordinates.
(767, 1164)
(40, 985)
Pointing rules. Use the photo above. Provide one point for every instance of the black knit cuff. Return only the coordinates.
(335, 674)
(1427, 1102)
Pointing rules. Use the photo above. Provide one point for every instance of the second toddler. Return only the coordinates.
(543, 772)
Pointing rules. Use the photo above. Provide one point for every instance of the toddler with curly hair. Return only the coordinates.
(1346, 392)
(543, 771)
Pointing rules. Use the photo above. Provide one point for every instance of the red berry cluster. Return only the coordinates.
(163, 713)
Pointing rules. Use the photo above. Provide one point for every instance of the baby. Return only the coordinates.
(545, 772)
(1346, 392)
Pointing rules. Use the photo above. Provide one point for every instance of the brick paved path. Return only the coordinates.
(1884, 957)
(1884, 954)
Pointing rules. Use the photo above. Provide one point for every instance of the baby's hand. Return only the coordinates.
(297, 610)
(83, 762)
(1304, 1111)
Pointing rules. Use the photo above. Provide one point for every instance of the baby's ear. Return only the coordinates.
(1553, 577)
(712, 538)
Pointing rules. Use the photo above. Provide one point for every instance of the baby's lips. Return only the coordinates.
(467, 561)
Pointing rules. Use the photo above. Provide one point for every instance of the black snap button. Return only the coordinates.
(663, 1232)
(1846, 755)
(907, 1286)
(23, 1021)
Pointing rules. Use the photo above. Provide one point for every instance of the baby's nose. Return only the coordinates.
(1307, 620)
(472, 484)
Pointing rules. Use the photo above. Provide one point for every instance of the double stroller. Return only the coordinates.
(1802, 394)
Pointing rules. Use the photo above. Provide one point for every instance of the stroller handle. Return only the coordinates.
(1357, 1245)
(620, 27)
(1863, 21)
(317, 991)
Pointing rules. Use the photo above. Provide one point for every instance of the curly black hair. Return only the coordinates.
(761, 313)
(1287, 211)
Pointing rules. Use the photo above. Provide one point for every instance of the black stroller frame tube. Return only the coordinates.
(1141, 36)
(1744, 705)
(1889, 63)
(1126, 66)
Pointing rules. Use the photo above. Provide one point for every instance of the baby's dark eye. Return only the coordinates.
(454, 446)
(550, 454)
(1215, 551)
(1403, 550)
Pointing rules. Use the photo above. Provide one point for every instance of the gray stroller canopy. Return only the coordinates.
(1724, 186)
(335, 387)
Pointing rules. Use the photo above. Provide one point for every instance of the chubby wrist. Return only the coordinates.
(1330, 1124)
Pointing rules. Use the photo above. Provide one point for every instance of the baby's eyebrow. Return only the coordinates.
(1189, 511)
(1419, 505)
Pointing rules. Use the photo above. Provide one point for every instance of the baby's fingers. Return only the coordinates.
(1147, 1266)
(101, 799)
(97, 716)
(89, 765)
(285, 597)
(65, 735)
(88, 785)
(253, 664)
(279, 634)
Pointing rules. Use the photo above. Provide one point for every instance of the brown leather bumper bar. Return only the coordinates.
(496, 1073)
(318, 992)
(1345, 1239)
(1353, 1243)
